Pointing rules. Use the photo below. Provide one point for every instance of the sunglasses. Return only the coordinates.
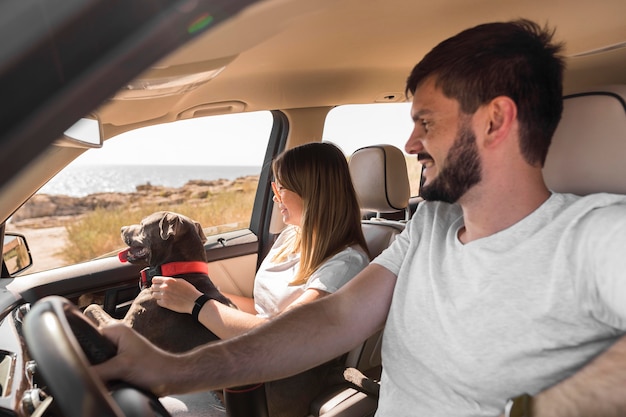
(277, 191)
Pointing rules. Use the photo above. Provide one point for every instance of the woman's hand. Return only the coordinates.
(174, 294)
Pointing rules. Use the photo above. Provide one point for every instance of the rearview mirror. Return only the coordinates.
(85, 133)
(15, 253)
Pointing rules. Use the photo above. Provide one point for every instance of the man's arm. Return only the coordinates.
(296, 340)
(598, 389)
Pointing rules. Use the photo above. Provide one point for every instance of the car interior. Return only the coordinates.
(298, 60)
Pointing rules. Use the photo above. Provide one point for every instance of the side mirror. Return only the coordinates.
(15, 253)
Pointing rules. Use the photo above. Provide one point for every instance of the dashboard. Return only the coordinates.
(22, 392)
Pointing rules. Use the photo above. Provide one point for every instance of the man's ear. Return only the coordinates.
(501, 117)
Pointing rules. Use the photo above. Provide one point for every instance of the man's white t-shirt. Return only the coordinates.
(516, 312)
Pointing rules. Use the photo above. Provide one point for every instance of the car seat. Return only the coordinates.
(381, 182)
(588, 149)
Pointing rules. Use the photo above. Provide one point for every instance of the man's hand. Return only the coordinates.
(137, 361)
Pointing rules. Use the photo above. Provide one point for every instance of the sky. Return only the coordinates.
(241, 139)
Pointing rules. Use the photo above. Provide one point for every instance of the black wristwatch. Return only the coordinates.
(519, 406)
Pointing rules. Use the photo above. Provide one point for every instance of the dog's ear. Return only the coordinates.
(168, 226)
(200, 231)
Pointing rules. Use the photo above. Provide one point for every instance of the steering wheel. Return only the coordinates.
(64, 343)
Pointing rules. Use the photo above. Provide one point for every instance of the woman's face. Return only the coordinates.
(290, 204)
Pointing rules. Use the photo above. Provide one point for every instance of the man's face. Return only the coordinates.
(461, 169)
(445, 145)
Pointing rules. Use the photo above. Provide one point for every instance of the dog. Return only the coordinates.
(169, 244)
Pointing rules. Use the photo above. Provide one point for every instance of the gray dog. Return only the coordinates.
(170, 244)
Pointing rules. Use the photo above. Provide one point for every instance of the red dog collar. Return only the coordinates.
(172, 269)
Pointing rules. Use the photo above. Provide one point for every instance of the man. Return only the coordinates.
(496, 288)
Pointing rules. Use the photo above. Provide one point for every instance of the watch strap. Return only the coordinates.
(197, 306)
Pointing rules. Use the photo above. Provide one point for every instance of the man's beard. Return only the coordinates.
(461, 170)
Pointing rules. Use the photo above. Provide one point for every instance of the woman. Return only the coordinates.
(321, 250)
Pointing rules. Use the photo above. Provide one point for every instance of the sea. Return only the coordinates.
(82, 180)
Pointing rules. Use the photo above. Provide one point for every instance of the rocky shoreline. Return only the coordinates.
(44, 211)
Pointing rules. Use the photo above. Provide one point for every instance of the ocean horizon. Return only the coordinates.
(82, 180)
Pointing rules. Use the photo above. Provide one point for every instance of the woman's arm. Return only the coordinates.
(226, 322)
(242, 302)
(309, 295)
(179, 295)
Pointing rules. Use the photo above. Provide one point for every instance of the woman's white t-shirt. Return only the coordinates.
(272, 292)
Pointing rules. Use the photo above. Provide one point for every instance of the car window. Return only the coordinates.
(206, 168)
(354, 126)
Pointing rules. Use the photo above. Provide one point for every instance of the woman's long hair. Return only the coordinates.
(331, 218)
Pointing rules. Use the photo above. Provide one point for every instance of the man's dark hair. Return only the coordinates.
(515, 59)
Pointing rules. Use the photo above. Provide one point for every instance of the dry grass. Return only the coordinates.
(98, 232)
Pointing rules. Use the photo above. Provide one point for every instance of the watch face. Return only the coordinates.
(508, 407)
(518, 406)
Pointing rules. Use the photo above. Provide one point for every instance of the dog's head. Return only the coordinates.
(164, 237)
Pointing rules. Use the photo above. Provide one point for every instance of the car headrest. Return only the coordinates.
(380, 178)
(588, 151)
